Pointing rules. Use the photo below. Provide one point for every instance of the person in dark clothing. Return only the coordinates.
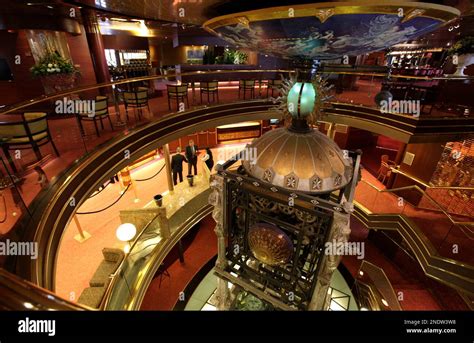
(114, 178)
(177, 166)
(208, 159)
(191, 156)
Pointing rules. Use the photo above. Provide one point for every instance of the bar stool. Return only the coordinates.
(178, 92)
(247, 85)
(274, 84)
(209, 87)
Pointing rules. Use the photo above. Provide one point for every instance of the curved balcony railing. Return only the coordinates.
(385, 209)
(74, 139)
(374, 290)
(50, 213)
(450, 228)
(21, 295)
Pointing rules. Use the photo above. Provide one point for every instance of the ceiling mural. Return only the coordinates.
(327, 33)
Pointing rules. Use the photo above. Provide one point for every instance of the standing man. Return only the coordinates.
(177, 165)
(191, 156)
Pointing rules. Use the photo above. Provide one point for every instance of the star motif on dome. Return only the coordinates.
(267, 175)
(338, 180)
(316, 183)
(291, 181)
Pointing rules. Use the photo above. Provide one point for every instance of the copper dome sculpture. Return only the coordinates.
(302, 161)
(269, 244)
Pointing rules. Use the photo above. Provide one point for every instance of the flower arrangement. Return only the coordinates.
(462, 46)
(52, 64)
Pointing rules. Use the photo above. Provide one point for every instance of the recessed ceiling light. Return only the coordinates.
(384, 302)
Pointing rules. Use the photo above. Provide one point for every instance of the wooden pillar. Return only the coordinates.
(166, 150)
(96, 46)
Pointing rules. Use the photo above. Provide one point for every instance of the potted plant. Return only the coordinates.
(463, 53)
(56, 73)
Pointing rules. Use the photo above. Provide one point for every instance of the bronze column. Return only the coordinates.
(96, 45)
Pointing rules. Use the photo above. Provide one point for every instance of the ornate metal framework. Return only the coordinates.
(241, 201)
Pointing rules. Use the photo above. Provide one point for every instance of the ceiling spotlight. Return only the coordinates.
(385, 302)
(451, 29)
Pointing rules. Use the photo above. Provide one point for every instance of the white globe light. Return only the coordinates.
(125, 232)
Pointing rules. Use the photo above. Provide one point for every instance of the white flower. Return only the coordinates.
(48, 70)
(55, 65)
(50, 65)
(58, 70)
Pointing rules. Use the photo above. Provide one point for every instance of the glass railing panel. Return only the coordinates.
(458, 202)
(379, 285)
(376, 199)
(458, 243)
(450, 234)
(366, 195)
(431, 94)
(355, 89)
(148, 251)
(12, 204)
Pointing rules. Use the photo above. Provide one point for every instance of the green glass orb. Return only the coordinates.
(301, 98)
